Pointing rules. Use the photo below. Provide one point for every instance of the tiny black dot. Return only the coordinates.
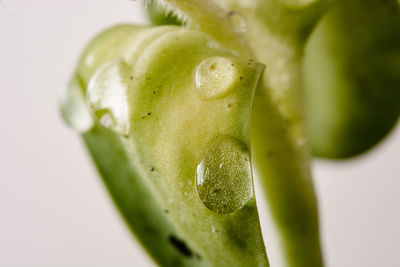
(241, 77)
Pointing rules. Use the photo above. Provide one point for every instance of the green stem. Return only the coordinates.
(285, 176)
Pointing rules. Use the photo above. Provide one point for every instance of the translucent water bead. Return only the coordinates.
(223, 177)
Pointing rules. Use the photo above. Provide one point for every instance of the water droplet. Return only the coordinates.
(107, 95)
(238, 21)
(223, 177)
(215, 77)
(74, 109)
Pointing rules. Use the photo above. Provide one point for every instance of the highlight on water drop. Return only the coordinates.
(215, 77)
(223, 177)
(107, 95)
(74, 110)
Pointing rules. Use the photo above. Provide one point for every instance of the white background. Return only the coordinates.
(54, 210)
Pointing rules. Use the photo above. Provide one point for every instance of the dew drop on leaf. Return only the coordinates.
(215, 77)
(107, 94)
(223, 177)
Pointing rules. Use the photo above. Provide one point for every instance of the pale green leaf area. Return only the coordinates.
(174, 114)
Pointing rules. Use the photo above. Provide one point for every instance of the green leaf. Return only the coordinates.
(351, 72)
(168, 104)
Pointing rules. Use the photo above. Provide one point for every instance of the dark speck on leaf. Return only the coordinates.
(147, 114)
(241, 77)
(166, 211)
(229, 105)
(151, 168)
(180, 246)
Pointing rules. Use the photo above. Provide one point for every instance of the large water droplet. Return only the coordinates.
(107, 95)
(238, 21)
(74, 109)
(223, 177)
(215, 77)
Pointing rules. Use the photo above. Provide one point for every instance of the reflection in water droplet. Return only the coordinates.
(238, 21)
(214, 77)
(107, 95)
(223, 177)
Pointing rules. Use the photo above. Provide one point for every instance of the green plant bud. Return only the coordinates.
(160, 97)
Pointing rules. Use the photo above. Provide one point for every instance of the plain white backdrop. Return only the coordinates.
(54, 210)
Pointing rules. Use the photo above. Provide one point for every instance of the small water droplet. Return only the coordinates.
(215, 77)
(238, 21)
(74, 110)
(107, 95)
(223, 177)
(213, 229)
